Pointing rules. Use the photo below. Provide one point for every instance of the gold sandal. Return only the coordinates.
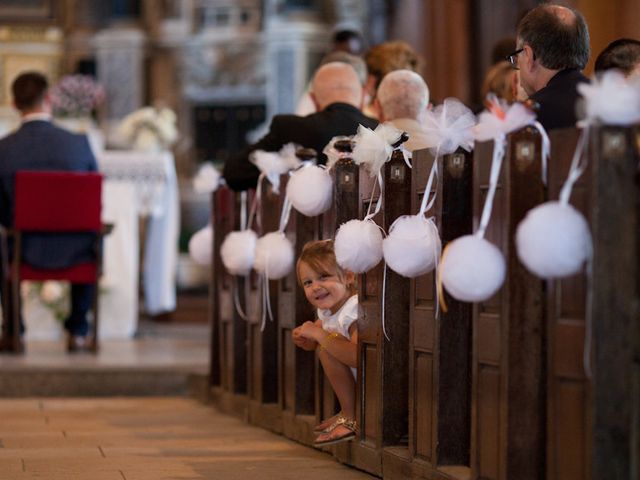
(350, 425)
(327, 425)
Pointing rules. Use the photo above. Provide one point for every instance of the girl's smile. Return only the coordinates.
(326, 291)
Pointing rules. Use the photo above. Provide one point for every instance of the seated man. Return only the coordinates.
(552, 49)
(338, 95)
(40, 145)
(402, 99)
(623, 54)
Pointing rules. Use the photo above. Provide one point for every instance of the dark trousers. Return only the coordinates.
(76, 324)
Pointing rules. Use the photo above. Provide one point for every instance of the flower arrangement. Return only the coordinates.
(76, 96)
(53, 295)
(149, 129)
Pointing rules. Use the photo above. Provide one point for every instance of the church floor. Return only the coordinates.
(150, 438)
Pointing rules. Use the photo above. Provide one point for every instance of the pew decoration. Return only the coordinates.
(310, 190)
(448, 127)
(273, 255)
(553, 240)
(274, 164)
(612, 99)
(358, 243)
(334, 153)
(472, 269)
(238, 247)
(413, 245)
(200, 245)
(208, 179)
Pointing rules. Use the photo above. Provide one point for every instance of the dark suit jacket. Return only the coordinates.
(313, 131)
(558, 99)
(40, 145)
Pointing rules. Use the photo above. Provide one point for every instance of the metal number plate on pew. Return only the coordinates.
(397, 174)
(525, 151)
(347, 182)
(614, 144)
(455, 164)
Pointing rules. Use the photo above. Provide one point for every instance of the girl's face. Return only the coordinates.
(326, 291)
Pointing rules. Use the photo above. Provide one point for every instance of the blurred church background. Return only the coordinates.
(227, 66)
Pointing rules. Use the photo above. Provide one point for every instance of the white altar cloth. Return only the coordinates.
(137, 184)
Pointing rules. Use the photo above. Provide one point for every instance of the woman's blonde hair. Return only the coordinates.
(499, 80)
(320, 256)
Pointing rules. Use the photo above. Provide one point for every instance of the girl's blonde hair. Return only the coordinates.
(320, 256)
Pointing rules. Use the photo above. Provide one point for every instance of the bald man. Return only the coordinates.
(401, 100)
(337, 94)
(552, 49)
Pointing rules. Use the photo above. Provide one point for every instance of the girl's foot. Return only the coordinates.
(325, 425)
(344, 431)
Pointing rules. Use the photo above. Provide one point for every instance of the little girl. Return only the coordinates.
(334, 336)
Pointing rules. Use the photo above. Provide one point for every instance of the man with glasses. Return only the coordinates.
(552, 49)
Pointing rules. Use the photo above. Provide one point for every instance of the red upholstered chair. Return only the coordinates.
(56, 202)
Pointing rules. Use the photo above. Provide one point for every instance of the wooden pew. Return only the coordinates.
(495, 390)
(508, 394)
(439, 347)
(569, 396)
(296, 392)
(615, 300)
(229, 330)
(263, 344)
(221, 219)
(345, 175)
(382, 387)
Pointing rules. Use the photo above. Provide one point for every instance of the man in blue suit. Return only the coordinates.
(40, 145)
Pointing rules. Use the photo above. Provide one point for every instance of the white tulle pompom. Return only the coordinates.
(207, 179)
(274, 255)
(412, 247)
(553, 240)
(310, 190)
(238, 251)
(612, 98)
(358, 245)
(472, 269)
(200, 245)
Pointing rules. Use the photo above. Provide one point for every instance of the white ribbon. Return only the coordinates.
(380, 182)
(236, 300)
(426, 205)
(577, 167)
(546, 148)
(496, 163)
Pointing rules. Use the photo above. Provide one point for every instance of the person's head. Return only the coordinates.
(325, 284)
(550, 38)
(29, 92)
(348, 41)
(356, 62)
(501, 80)
(336, 82)
(387, 57)
(623, 54)
(402, 94)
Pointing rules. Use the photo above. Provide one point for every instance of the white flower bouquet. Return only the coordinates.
(76, 96)
(53, 295)
(149, 129)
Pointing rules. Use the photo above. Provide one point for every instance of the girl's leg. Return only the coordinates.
(344, 386)
(342, 382)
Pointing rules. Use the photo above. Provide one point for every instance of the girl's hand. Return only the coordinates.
(302, 342)
(311, 331)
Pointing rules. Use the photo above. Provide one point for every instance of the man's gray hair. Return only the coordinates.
(558, 41)
(403, 94)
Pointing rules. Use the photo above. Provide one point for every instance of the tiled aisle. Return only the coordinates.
(147, 439)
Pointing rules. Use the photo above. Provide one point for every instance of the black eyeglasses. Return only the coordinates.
(512, 58)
